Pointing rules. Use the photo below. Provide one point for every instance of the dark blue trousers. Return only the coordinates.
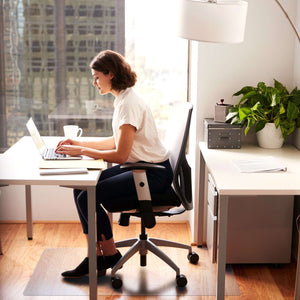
(116, 191)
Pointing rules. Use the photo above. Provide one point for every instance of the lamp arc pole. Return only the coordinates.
(289, 19)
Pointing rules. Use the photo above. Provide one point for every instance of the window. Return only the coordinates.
(45, 63)
(44, 69)
(157, 54)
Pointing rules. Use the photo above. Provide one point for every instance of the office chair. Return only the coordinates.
(174, 201)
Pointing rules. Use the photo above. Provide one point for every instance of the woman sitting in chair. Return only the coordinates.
(134, 139)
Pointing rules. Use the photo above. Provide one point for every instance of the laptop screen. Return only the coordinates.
(35, 135)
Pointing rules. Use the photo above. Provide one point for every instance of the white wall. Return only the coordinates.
(267, 53)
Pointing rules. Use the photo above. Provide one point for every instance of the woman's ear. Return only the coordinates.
(111, 75)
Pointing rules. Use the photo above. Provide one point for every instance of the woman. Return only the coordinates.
(134, 139)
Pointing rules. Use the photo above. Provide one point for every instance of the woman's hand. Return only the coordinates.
(68, 149)
(66, 142)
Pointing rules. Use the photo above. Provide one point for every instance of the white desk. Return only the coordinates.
(229, 181)
(19, 166)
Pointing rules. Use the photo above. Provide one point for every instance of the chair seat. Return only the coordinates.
(158, 211)
(168, 199)
(165, 204)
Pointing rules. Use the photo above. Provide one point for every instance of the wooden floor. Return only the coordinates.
(21, 256)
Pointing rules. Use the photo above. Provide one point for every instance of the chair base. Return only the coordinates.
(143, 244)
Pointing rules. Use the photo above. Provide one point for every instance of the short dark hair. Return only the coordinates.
(110, 61)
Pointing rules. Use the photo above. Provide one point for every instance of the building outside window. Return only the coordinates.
(45, 50)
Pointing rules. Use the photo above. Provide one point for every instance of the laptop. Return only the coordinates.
(46, 153)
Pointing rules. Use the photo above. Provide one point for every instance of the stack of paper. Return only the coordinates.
(266, 164)
(72, 164)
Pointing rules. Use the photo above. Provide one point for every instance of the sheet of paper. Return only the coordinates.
(65, 164)
(266, 164)
(63, 171)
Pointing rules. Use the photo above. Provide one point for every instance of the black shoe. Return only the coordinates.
(83, 269)
(111, 260)
(101, 266)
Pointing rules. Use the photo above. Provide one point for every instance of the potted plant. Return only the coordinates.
(269, 109)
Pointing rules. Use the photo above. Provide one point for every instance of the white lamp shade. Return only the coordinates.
(221, 22)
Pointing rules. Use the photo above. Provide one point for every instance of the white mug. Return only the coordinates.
(72, 131)
(91, 106)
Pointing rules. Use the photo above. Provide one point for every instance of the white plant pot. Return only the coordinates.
(270, 137)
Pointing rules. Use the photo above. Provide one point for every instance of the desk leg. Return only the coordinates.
(199, 207)
(297, 285)
(92, 242)
(222, 240)
(110, 215)
(28, 212)
(1, 253)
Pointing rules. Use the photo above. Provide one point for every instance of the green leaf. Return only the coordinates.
(287, 127)
(247, 96)
(250, 123)
(260, 125)
(295, 96)
(280, 87)
(244, 112)
(275, 97)
(244, 90)
(292, 111)
(256, 106)
(231, 115)
(236, 120)
(292, 127)
(282, 109)
(262, 86)
(277, 122)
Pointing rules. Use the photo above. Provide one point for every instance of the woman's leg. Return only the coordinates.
(102, 222)
(118, 193)
(108, 246)
(81, 209)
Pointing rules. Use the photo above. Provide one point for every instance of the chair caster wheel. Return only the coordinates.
(181, 280)
(193, 258)
(116, 282)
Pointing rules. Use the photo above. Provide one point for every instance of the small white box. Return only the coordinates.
(221, 111)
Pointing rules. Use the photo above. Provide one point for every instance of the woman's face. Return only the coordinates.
(102, 82)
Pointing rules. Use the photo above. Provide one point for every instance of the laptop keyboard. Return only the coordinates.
(50, 154)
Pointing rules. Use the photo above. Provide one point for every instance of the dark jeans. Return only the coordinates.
(115, 191)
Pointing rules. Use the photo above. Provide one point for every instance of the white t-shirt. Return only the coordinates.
(131, 109)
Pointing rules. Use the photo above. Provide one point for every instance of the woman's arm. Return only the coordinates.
(118, 154)
(100, 144)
